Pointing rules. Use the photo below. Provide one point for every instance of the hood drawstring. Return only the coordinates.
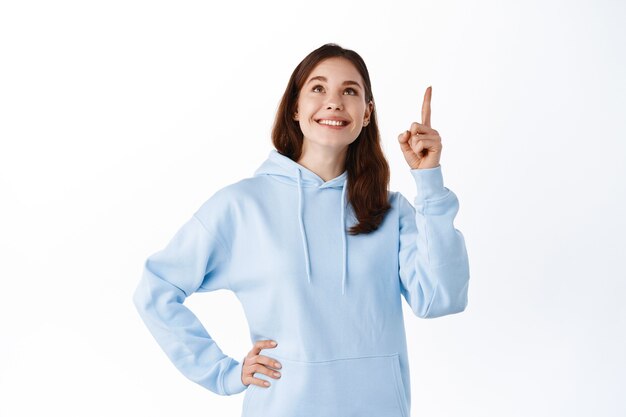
(303, 231)
(343, 237)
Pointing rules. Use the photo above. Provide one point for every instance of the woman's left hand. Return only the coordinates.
(421, 145)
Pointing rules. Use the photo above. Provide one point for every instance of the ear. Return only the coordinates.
(295, 115)
(368, 111)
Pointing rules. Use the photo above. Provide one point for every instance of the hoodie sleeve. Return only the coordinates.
(433, 262)
(194, 259)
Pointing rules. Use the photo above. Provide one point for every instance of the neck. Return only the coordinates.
(327, 163)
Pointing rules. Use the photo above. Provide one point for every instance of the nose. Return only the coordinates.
(334, 102)
(334, 105)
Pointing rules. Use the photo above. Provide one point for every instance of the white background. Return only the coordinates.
(119, 118)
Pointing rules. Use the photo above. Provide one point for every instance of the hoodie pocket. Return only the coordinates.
(360, 387)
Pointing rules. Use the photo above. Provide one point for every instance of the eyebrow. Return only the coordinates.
(322, 78)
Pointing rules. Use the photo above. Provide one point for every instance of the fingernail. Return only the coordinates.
(273, 343)
(278, 365)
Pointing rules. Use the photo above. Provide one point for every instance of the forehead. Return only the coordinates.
(336, 68)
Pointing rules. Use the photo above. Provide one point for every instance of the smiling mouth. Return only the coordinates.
(332, 123)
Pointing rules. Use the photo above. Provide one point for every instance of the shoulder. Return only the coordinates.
(401, 206)
(224, 202)
(397, 200)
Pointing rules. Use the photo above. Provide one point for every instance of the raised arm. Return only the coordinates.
(433, 262)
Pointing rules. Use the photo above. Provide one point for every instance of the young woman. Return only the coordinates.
(319, 252)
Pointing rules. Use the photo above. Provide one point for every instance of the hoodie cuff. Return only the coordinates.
(232, 378)
(429, 182)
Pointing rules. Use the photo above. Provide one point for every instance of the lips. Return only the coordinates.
(345, 122)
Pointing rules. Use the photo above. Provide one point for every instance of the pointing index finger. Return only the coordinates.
(426, 106)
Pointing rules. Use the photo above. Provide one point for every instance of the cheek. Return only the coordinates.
(313, 101)
(306, 110)
(359, 113)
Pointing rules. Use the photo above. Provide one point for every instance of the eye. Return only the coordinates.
(352, 90)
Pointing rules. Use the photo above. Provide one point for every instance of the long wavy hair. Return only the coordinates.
(368, 170)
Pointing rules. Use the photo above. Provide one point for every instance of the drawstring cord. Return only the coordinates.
(302, 230)
(305, 246)
(343, 237)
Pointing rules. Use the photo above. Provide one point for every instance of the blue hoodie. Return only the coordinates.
(331, 300)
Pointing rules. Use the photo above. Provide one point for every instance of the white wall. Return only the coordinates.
(119, 118)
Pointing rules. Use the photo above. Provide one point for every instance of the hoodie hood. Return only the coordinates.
(288, 170)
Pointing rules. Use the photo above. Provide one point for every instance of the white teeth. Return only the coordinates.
(332, 122)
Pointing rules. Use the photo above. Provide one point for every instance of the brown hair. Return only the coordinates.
(368, 170)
